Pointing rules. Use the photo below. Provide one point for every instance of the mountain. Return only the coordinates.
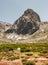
(27, 28)
(26, 24)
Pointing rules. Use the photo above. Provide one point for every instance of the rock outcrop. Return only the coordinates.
(26, 24)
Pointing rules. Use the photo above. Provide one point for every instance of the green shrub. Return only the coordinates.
(29, 63)
(44, 51)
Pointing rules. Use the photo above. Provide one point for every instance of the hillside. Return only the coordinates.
(3, 27)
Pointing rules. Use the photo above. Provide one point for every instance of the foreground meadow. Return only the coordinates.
(24, 54)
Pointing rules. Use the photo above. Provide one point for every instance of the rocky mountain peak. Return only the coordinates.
(26, 24)
(32, 15)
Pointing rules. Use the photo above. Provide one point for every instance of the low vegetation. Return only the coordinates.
(23, 51)
(28, 47)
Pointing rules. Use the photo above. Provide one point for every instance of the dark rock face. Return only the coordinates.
(32, 15)
(27, 23)
(10, 31)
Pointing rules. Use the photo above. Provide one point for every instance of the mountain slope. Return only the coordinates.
(3, 27)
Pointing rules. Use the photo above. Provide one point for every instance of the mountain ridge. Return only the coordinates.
(27, 28)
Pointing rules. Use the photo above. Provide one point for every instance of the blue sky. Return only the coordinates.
(11, 10)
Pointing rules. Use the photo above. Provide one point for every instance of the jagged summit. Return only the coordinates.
(32, 14)
(27, 23)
